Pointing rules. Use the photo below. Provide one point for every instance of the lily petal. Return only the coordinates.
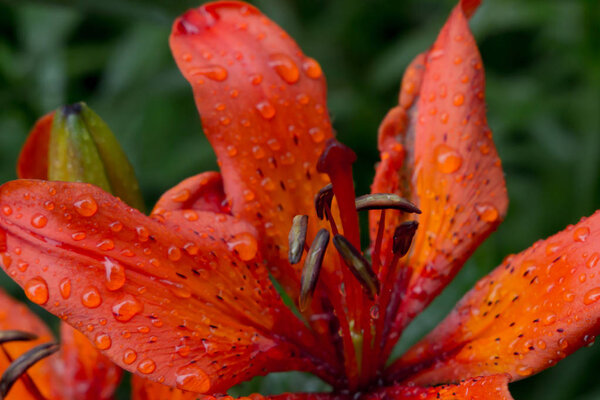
(16, 316)
(263, 108)
(144, 389)
(85, 372)
(184, 303)
(203, 192)
(438, 142)
(33, 160)
(493, 387)
(536, 308)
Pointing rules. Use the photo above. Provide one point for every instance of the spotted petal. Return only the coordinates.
(185, 303)
(263, 108)
(536, 308)
(438, 151)
(493, 387)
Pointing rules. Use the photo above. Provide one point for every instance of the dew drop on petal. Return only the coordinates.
(285, 67)
(146, 366)
(213, 72)
(266, 110)
(126, 308)
(311, 68)
(65, 288)
(316, 134)
(106, 245)
(86, 206)
(524, 370)
(174, 253)
(77, 236)
(458, 100)
(39, 221)
(486, 212)
(36, 290)
(448, 160)
(244, 245)
(592, 296)
(129, 356)
(7, 210)
(192, 378)
(91, 297)
(102, 341)
(115, 274)
(580, 234)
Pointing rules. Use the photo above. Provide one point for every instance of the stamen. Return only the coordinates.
(323, 200)
(382, 201)
(16, 336)
(23, 363)
(358, 265)
(297, 238)
(312, 267)
(403, 236)
(336, 161)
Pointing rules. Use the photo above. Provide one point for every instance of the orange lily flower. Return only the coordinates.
(183, 297)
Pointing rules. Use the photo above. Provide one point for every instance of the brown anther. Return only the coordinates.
(297, 238)
(358, 265)
(23, 363)
(382, 201)
(312, 267)
(16, 336)
(323, 200)
(403, 236)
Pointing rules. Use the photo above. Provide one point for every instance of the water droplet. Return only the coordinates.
(256, 79)
(77, 236)
(448, 160)
(146, 366)
(91, 297)
(487, 212)
(115, 274)
(142, 233)
(65, 288)
(126, 308)
(249, 195)
(316, 134)
(192, 378)
(552, 248)
(86, 206)
(311, 68)
(102, 341)
(231, 150)
(49, 205)
(245, 245)
(36, 290)
(106, 245)
(116, 226)
(39, 221)
(266, 109)
(580, 234)
(174, 253)
(285, 67)
(178, 289)
(274, 144)
(549, 319)
(563, 343)
(213, 72)
(524, 370)
(129, 356)
(374, 312)
(258, 152)
(6, 210)
(459, 99)
(181, 196)
(303, 99)
(591, 296)
(190, 215)
(22, 266)
(593, 260)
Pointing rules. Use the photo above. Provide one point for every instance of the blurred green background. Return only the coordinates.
(542, 61)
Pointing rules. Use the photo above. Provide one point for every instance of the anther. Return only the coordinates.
(23, 363)
(323, 200)
(358, 265)
(297, 238)
(382, 201)
(403, 236)
(312, 267)
(16, 336)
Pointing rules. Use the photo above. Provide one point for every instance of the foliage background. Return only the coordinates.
(542, 62)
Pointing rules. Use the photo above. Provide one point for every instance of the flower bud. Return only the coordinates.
(80, 148)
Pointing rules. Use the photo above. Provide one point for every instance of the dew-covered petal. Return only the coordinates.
(202, 192)
(439, 143)
(263, 108)
(16, 316)
(145, 389)
(85, 373)
(536, 308)
(33, 159)
(493, 387)
(184, 302)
